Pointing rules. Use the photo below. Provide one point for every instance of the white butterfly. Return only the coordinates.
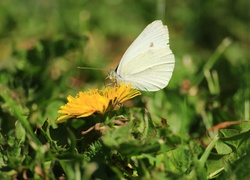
(148, 63)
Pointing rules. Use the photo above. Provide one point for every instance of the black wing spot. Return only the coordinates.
(151, 44)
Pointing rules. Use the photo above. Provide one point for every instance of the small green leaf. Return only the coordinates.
(20, 132)
(222, 147)
(149, 130)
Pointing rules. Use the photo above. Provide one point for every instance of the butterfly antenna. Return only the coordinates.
(89, 68)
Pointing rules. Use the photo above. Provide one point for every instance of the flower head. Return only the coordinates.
(96, 101)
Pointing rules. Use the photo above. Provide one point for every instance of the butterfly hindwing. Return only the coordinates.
(152, 71)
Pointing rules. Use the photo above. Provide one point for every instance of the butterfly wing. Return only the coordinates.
(150, 70)
(154, 35)
(148, 63)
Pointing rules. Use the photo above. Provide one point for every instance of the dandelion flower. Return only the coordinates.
(96, 101)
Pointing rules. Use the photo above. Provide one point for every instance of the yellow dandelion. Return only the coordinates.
(96, 101)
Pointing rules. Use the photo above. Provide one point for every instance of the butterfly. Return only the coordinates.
(148, 63)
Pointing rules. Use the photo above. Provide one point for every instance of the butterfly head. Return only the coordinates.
(113, 78)
(112, 75)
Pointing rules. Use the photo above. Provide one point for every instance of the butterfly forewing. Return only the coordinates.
(154, 35)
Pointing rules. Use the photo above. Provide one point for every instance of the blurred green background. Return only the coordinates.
(43, 42)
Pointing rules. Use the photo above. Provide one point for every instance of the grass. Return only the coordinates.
(196, 128)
